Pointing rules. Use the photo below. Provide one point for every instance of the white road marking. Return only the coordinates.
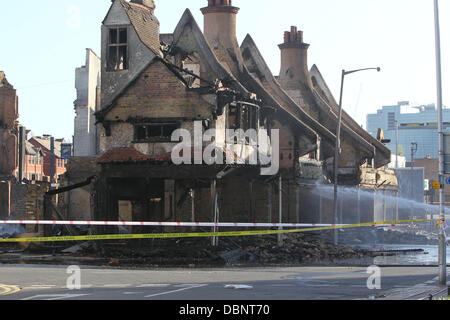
(173, 291)
(184, 285)
(116, 285)
(130, 293)
(153, 286)
(43, 285)
(54, 296)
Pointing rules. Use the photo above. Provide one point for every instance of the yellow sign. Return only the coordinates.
(436, 185)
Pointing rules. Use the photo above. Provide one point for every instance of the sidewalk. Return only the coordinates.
(417, 293)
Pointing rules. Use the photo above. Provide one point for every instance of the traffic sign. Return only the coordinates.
(66, 151)
(436, 185)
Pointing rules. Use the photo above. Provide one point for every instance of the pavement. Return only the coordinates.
(28, 282)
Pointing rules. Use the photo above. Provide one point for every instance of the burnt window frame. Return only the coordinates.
(112, 66)
(246, 116)
(153, 138)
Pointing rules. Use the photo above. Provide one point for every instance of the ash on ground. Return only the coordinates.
(297, 249)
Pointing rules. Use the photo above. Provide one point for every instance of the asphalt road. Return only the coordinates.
(300, 283)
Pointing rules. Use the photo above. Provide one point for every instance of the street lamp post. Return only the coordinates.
(396, 167)
(414, 147)
(396, 144)
(338, 148)
(442, 239)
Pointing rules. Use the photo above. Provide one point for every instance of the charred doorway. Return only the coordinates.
(133, 199)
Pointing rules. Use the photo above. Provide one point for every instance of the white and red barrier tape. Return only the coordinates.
(183, 224)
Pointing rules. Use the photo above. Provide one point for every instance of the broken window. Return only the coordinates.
(155, 132)
(232, 116)
(243, 116)
(117, 49)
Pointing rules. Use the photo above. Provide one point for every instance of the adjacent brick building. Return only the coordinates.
(59, 164)
(9, 136)
(9, 114)
(34, 163)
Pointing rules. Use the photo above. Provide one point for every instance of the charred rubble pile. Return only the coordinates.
(296, 249)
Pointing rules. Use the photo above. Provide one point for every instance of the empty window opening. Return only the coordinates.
(155, 132)
(118, 49)
(242, 116)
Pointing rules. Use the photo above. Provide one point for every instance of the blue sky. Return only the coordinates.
(44, 41)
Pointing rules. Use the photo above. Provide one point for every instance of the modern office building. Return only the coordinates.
(415, 124)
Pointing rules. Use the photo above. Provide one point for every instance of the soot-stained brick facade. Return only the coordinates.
(154, 84)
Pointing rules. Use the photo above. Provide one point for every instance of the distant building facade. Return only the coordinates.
(34, 163)
(59, 164)
(397, 162)
(415, 124)
(431, 171)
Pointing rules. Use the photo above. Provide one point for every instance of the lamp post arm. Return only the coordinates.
(338, 148)
(353, 71)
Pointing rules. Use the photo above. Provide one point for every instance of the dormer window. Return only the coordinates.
(117, 49)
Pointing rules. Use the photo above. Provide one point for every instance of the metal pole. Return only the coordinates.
(396, 167)
(358, 205)
(336, 160)
(396, 144)
(338, 149)
(214, 209)
(193, 205)
(442, 240)
(280, 208)
(269, 197)
(52, 160)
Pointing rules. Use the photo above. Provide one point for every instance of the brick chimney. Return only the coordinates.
(294, 60)
(220, 24)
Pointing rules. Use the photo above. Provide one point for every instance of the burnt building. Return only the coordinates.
(203, 83)
(9, 143)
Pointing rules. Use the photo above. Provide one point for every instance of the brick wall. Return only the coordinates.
(8, 127)
(158, 93)
(76, 204)
(27, 203)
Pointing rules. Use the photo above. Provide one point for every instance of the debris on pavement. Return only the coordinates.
(238, 287)
(78, 247)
